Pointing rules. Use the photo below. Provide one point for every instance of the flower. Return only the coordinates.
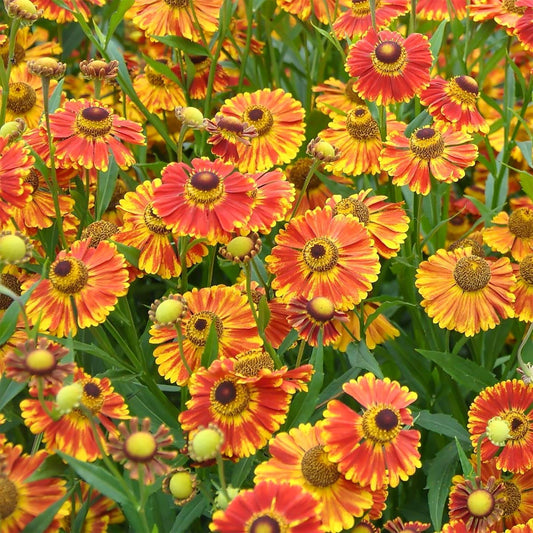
(84, 131)
(72, 433)
(505, 13)
(319, 254)
(387, 223)
(60, 15)
(23, 500)
(248, 410)
(298, 457)
(205, 200)
(436, 151)
(269, 507)
(438, 9)
(464, 292)
(82, 288)
(141, 451)
(168, 311)
(234, 324)
(479, 505)
(510, 400)
(389, 68)
(323, 10)
(241, 249)
(98, 69)
(454, 102)
(338, 97)
(523, 289)
(373, 448)
(181, 484)
(225, 133)
(511, 233)
(197, 87)
(524, 24)
(398, 526)
(279, 121)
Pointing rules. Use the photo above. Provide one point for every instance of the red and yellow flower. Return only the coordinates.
(523, 289)
(337, 98)
(323, 10)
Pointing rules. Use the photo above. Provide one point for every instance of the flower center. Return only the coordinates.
(361, 8)
(21, 98)
(463, 89)
(353, 206)
(511, 7)
(198, 326)
(92, 397)
(320, 254)
(69, 276)
(477, 249)
(33, 179)
(94, 122)
(381, 424)
(140, 446)
(265, 523)
(8, 497)
(40, 362)
(18, 55)
(526, 269)
(513, 498)
(250, 363)
(320, 309)
(317, 469)
(426, 143)
(298, 172)
(177, 4)
(154, 222)
(518, 424)
(229, 398)
(204, 188)
(99, 231)
(361, 125)
(259, 117)
(472, 273)
(154, 78)
(389, 58)
(13, 284)
(521, 223)
(351, 93)
(480, 503)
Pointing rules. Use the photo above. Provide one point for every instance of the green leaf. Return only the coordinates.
(106, 187)
(526, 149)
(422, 119)
(42, 521)
(190, 512)
(210, 352)
(8, 390)
(116, 18)
(464, 371)
(264, 314)
(436, 40)
(361, 357)
(180, 43)
(55, 98)
(129, 252)
(8, 324)
(466, 465)
(52, 466)
(443, 424)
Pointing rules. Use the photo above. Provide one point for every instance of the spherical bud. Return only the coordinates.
(13, 129)
(241, 249)
(223, 499)
(140, 446)
(190, 117)
(321, 308)
(98, 69)
(40, 361)
(480, 502)
(205, 443)
(181, 484)
(14, 248)
(69, 397)
(24, 10)
(47, 67)
(498, 431)
(168, 311)
(322, 150)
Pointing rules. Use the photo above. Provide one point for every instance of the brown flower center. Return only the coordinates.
(381, 423)
(361, 8)
(13, 284)
(426, 143)
(259, 117)
(229, 398)
(265, 523)
(298, 172)
(518, 424)
(361, 125)
(69, 275)
(204, 188)
(92, 397)
(477, 249)
(463, 89)
(250, 363)
(513, 498)
(317, 469)
(521, 223)
(8, 497)
(154, 222)
(177, 4)
(33, 179)
(353, 206)
(320, 254)
(154, 78)
(472, 273)
(389, 58)
(99, 231)
(198, 326)
(351, 93)
(526, 269)
(21, 98)
(511, 7)
(94, 122)
(18, 55)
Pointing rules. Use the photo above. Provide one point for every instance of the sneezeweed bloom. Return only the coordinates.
(48, 68)
(338, 97)
(355, 21)
(373, 448)
(60, 15)
(455, 102)
(510, 400)
(436, 151)
(225, 133)
(438, 9)
(248, 410)
(399, 526)
(279, 121)
(521, 528)
(524, 24)
(191, 117)
(511, 233)
(319, 254)
(13, 129)
(322, 150)
(141, 451)
(270, 506)
(298, 457)
(389, 68)
(506, 14)
(241, 249)
(99, 231)
(82, 288)
(386, 222)
(206, 200)
(323, 10)
(310, 316)
(85, 131)
(181, 484)
(523, 289)
(38, 361)
(479, 505)
(23, 500)
(464, 292)
(72, 432)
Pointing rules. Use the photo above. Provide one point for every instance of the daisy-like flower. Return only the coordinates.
(399, 526)
(15, 165)
(323, 10)
(141, 451)
(389, 68)
(60, 15)
(270, 507)
(85, 131)
(83, 287)
(510, 400)
(357, 19)
(337, 98)
(522, 528)
(464, 292)
(505, 12)
(386, 222)
(437, 151)
(373, 448)
(511, 233)
(319, 254)
(438, 9)
(455, 102)
(248, 410)
(310, 316)
(23, 500)
(478, 505)
(524, 24)
(523, 289)
(206, 200)
(279, 121)
(176, 17)
(197, 87)
(358, 139)
(234, 325)
(72, 433)
(299, 458)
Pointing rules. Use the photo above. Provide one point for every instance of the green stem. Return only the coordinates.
(222, 477)
(300, 354)
(526, 367)
(312, 170)
(246, 51)
(40, 396)
(179, 336)
(6, 71)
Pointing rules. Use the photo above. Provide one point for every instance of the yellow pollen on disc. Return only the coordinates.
(266, 523)
(513, 498)
(155, 78)
(480, 503)
(351, 93)
(472, 273)
(360, 124)
(177, 4)
(381, 423)
(317, 469)
(463, 90)
(94, 122)
(250, 363)
(298, 172)
(426, 143)
(518, 424)
(259, 117)
(229, 399)
(526, 269)
(204, 189)
(140, 446)
(353, 206)
(92, 397)
(154, 222)
(361, 8)
(21, 98)
(8, 497)
(320, 254)
(511, 7)
(69, 275)
(389, 58)
(198, 326)
(521, 223)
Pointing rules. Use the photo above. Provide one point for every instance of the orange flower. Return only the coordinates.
(523, 289)
(60, 15)
(506, 13)
(524, 24)
(323, 10)
(338, 98)
(438, 9)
